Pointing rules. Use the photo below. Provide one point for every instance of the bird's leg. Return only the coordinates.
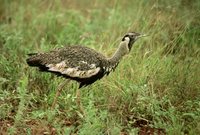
(78, 101)
(60, 87)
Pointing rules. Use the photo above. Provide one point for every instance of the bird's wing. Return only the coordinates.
(81, 70)
(76, 62)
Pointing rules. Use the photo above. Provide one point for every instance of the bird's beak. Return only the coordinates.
(142, 35)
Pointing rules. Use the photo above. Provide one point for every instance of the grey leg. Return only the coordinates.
(78, 101)
(60, 87)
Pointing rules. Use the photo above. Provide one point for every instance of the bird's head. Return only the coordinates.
(131, 37)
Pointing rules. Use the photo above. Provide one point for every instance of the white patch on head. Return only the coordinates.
(127, 40)
(75, 71)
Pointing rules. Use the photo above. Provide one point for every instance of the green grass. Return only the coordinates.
(158, 81)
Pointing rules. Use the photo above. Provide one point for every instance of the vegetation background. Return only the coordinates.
(155, 87)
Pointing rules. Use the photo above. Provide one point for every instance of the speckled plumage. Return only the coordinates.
(73, 56)
(80, 63)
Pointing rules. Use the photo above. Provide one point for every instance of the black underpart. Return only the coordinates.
(83, 81)
(130, 44)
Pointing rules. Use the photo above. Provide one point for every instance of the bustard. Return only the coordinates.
(81, 63)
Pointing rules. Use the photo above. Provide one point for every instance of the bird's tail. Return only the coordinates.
(33, 60)
(31, 54)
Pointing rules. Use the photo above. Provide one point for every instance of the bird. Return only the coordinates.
(80, 63)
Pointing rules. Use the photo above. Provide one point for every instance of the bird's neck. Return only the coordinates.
(120, 52)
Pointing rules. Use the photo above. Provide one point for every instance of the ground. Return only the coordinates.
(154, 89)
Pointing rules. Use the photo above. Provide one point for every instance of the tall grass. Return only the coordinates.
(158, 81)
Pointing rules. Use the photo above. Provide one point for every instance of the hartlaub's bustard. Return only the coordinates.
(81, 63)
